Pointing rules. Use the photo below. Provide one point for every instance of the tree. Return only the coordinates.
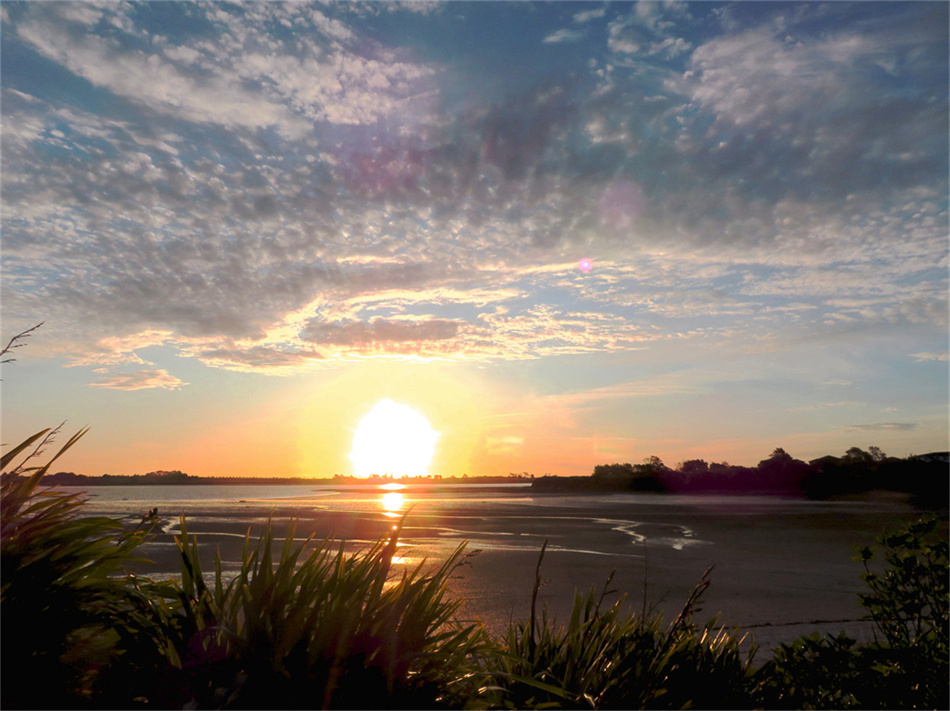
(652, 465)
(856, 455)
(777, 457)
(613, 471)
(781, 471)
(694, 466)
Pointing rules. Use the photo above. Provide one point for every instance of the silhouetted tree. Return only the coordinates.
(856, 455)
(694, 466)
(627, 476)
(781, 472)
(777, 456)
(652, 466)
(613, 471)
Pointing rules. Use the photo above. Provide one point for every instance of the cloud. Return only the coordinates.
(358, 334)
(649, 30)
(254, 83)
(501, 445)
(158, 85)
(564, 35)
(140, 380)
(820, 107)
(588, 15)
(670, 384)
(258, 359)
(923, 357)
(117, 350)
(882, 426)
(825, 406)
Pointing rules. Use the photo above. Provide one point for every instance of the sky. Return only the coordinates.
(566, 233)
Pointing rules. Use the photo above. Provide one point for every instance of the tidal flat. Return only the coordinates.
(782, 566)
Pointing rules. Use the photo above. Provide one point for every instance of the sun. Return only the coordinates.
(393, 439)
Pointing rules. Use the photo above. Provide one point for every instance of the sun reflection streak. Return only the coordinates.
(392, 503)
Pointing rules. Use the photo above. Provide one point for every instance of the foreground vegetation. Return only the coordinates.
(303, 625)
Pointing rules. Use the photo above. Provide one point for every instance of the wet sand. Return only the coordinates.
(780, 566)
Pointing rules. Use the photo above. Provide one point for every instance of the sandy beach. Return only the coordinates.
(780, 566)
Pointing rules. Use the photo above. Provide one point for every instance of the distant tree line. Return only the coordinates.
(926, 477)
(178, 478)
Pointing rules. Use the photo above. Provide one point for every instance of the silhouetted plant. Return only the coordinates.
(814, 671)
(607, 657)
(321, 629)
(909, 602)
(67, 603)
(906, 666)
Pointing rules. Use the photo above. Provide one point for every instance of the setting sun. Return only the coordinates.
(393, 439)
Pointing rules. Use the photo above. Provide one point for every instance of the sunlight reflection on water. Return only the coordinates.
(392, 503)
(658, 545)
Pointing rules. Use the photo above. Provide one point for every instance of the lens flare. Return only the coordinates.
(621, 205)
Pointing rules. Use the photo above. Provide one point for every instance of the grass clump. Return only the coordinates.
(607, 657)
(69, 609)
(314, 627)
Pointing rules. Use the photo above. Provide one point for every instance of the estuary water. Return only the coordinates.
(781, 566)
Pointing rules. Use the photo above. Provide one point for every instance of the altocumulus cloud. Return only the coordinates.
(257, 358)
(379, 331)
(274, 186)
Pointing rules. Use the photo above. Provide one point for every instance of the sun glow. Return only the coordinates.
(393, 439)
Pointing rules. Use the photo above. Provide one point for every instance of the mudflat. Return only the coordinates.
(780, 567)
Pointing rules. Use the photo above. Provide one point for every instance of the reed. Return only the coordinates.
(608, 657)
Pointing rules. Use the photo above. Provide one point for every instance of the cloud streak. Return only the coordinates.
(882, 426)
(140, 380)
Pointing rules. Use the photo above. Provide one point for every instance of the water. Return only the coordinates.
(782, 566)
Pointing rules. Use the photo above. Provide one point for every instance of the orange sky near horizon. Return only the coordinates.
(489, 423)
